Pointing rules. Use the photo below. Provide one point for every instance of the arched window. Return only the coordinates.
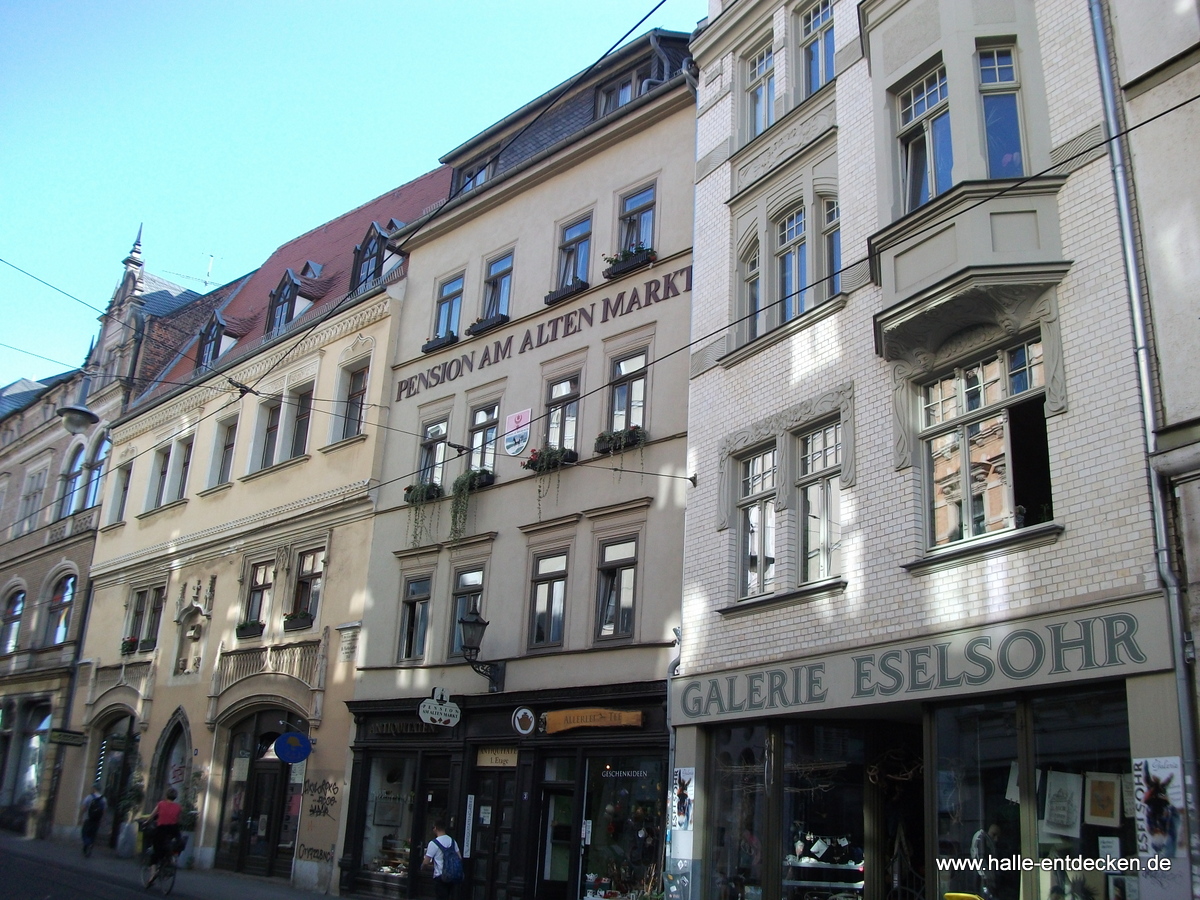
(10, 626)
(72, 484)
(96, 474)
(369, 258)
(58, 615)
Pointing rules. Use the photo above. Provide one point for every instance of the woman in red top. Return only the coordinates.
(165, 818)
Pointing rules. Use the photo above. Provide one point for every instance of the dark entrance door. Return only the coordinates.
(495, 793)
(260, 807)
(554, 875)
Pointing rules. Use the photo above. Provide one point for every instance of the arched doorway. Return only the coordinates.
(260, 806)
(116, 761)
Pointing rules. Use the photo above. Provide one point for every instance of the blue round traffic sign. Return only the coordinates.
(293, 747)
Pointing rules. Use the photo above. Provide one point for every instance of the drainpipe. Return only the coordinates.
(1158, 492)
(672, 671)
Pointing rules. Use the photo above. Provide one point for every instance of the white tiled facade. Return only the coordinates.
(1096, 554)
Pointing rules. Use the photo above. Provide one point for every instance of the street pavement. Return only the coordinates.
(58, 870)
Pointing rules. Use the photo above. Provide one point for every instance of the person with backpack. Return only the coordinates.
(93, 807)
(444, 858)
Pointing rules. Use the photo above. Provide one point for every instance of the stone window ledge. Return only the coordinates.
(985, 547)
(828, 587)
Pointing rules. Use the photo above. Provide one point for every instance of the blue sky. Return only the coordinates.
(228, 128)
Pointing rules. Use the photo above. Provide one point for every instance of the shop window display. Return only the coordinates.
(624, 808)
(387, 834)
(740, 813)
(1063, 785)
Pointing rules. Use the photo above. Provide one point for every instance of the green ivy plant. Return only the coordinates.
(417, 496)
(460, 493)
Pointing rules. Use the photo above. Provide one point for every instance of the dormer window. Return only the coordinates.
(311, 270)
(476, 173)
(283, 303)
(210, 343)
(621, 90)
(368, 258)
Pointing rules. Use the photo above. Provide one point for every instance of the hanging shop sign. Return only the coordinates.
(1097, 642)
(439, 709)
(632, 301)
(566, 719)
(293, 747)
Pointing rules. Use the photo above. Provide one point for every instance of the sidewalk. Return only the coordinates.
(197, 884)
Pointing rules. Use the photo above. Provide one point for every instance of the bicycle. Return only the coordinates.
(161, 876)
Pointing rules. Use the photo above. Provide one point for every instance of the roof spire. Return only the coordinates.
(134, 259)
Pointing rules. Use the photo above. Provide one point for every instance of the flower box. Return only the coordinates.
(548, 459)
(628, 260)
(616, 441)
(438, 343)
(249, 630)
(578, 286)
(129, 645)
(297, 621)
(487, 324)
(422, 492)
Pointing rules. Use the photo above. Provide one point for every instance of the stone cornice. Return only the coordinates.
(356, 490)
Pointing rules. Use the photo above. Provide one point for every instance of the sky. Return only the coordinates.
(224, 129)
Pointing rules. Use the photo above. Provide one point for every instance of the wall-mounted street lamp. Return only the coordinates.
(473, 627)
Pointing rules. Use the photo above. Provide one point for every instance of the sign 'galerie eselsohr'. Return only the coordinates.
(1092, 643)
(573, 321)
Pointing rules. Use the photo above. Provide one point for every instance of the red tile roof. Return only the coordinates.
(332, 247)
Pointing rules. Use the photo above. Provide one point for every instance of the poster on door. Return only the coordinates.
(1158, 806)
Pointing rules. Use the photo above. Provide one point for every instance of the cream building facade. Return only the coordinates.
(535, 475)
(922, 617)
(228, 575)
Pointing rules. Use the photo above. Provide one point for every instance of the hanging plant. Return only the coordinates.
(417, 496)
(460, 491)
(547, 459)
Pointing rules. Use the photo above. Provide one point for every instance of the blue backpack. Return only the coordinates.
(452, 867)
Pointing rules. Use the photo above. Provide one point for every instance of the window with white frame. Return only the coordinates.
(756, 514)
(476, 173)
(185, 466)
(368, 258)
(10, 625)
(227, 441)
(573, 253)
(96, 469)
(146, 616)
(926, 151)
(258, 598)
(637, 220)
(485, 423)
(354, 403)
(987, 463)
(282, 308)
(449, 306)
(269, 417)
(832, 237)
(162, 477)
(756, 322)
(819, 490)
(58, 610)
(760, 90)
(31, 502)
(209, 346)
(433, 452)
(616, 581)
(121, 494)
(562, 412)
(468, 595)
(497, 286)
(998, 87)
(627, 400)
(816, 45)
(310, 572)
(72, 485)
(414, 618)
(618, 92)
(791, 261)
(301, 402)
(549, 600)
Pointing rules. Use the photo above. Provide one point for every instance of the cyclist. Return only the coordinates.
(165, 818)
